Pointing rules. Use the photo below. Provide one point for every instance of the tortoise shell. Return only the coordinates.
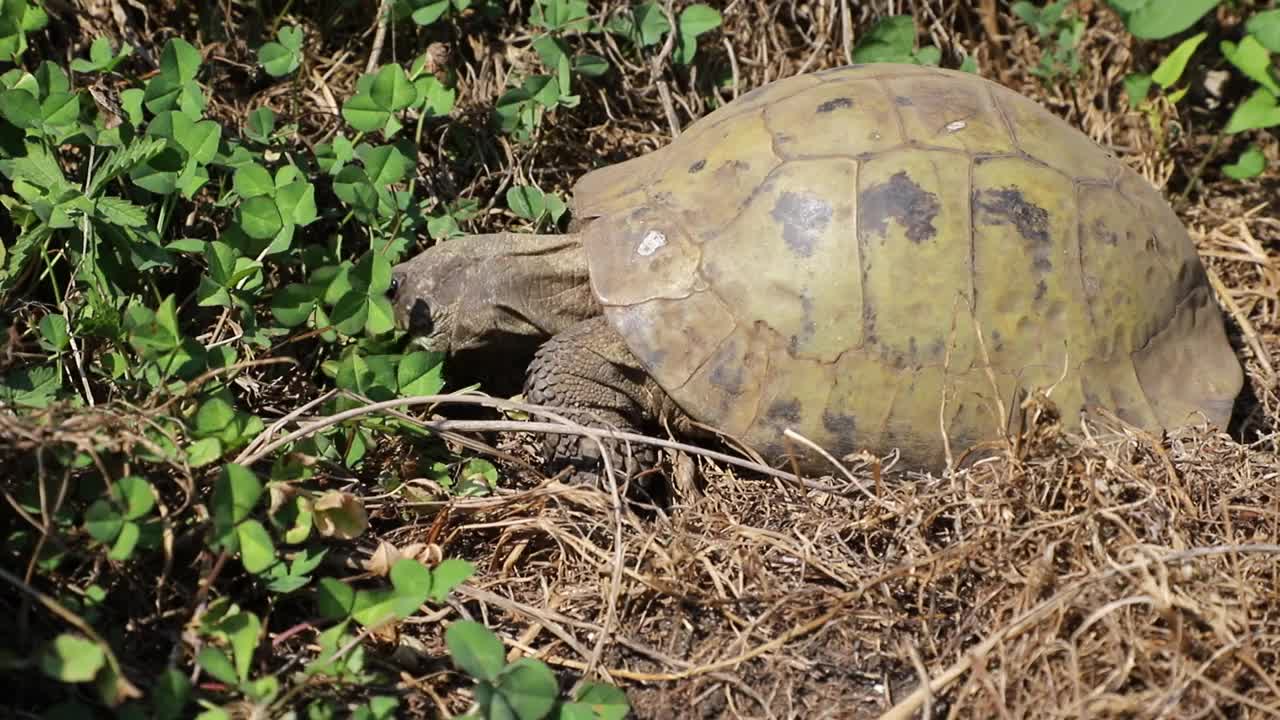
(871, 254)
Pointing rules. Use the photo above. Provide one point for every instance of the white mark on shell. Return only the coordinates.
(653, 240)
(955, 126)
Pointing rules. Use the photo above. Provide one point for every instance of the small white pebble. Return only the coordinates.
(955, 126)
(651, 242)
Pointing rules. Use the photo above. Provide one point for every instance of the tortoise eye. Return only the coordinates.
(394, 287)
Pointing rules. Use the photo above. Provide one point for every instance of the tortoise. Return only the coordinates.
(867, 255)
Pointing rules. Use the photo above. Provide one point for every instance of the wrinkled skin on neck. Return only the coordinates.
(492, 292)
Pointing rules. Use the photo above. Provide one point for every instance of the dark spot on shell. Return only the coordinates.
(869, 317)
(841, 103)
(727, 371)
(839, 424)
(804, 217)
(1009, 207)
(912, 349)
(1153, 243)
(903, 101)
(937, 349)
(899, 199)
(998, 340)
(1041, 288)
(1105, 234)
(808, 328)
(784, 411)
(697, 167)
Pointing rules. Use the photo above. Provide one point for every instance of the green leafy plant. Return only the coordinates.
(646, 26)
(892, 39)
(284, 55)
(1160, 19)
(526, 688)
(428, 12)
(1251, 56)
(534, 205)
(1063, 31)
(18, 18)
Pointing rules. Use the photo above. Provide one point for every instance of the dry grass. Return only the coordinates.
(1101, 574)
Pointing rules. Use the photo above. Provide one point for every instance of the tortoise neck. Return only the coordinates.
(525, 285)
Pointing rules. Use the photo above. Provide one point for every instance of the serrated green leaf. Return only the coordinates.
(121, 161)
(119, 211)
(34, 387)
(37, 166)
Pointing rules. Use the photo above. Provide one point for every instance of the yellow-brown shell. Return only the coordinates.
(867, 254)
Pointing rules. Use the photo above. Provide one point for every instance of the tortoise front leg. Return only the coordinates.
(587, 373)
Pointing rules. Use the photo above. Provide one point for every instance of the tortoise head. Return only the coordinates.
(426, 293)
